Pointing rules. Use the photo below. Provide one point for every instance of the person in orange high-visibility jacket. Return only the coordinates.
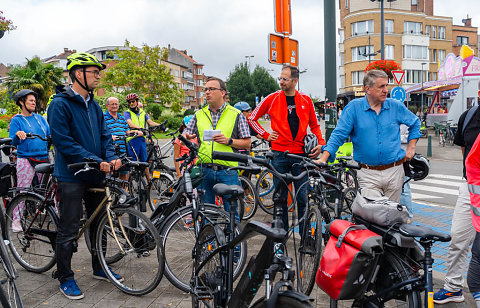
(472, 165)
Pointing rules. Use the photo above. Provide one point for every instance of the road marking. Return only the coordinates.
(416, 196)
(434, 189)
(446, 176)
(441, 182)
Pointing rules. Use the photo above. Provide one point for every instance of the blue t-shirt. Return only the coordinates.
(117, 127)
(30, 148)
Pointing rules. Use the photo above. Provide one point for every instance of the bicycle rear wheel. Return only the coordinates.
(142, 262)
(33, 245)
(310, 250)
(249, 201)
(178, 238)
(161, 189)
(392, 270)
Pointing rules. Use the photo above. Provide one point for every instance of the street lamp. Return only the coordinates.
(421, 110)
(369, 54)
(299, 73)
(249, 58)
(382, 25)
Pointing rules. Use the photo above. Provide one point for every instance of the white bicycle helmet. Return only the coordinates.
(309, 142)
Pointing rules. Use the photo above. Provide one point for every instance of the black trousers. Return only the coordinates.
(473, 275)
(70, 212)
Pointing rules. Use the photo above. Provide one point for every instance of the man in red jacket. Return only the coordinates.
(291, 113)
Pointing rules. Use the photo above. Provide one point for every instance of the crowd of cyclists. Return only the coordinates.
(206, 177)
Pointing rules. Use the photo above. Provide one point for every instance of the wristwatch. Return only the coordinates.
(230, 141)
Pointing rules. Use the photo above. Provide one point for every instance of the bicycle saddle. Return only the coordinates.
(414, 230)
(223, 189)
(44, 168)
(5, 141)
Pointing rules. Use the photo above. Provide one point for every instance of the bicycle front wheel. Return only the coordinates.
(178, 238)
(249, 201)
(31, 233)
(161, 189)
(142, 263)
(310, 250)
(9, 295)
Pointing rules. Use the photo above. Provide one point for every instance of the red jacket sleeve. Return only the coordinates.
(257, 113)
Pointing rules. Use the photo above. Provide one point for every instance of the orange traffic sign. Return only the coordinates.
(282, 50)
(283, 17)
(398, 76)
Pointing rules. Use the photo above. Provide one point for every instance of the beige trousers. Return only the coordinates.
(389, 181)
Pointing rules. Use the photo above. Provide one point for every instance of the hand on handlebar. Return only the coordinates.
(21, 135)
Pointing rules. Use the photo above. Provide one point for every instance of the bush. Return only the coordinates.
(154, 110)
(121, 100)
(188, 112)
(3, 124)
(173, 122)
(413, 109)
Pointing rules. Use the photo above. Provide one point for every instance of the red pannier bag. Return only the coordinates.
(348, 260)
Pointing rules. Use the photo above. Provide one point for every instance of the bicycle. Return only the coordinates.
(178, 222)
(398, 279)
(122, 233)
(212, 282)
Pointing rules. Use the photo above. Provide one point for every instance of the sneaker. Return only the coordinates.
(444, 296)
(102, 276)
(16, 226)
(71, 290)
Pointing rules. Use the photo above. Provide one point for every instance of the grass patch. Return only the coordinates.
(3, 133)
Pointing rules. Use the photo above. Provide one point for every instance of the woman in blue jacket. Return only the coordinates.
(29, 151)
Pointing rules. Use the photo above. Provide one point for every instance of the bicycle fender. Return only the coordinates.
(272, 301)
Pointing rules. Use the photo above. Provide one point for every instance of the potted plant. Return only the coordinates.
(6, 25)
(384, 65)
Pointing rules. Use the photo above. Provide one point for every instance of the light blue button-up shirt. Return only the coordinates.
(375, 138)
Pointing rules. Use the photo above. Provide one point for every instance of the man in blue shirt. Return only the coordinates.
(373, 123)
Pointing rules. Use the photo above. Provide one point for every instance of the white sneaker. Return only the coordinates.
(16, 226)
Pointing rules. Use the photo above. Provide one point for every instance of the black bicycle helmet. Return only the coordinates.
(21, 94)
(309, 142)
(417, 168)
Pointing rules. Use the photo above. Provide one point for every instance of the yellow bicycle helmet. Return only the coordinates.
(83, 59)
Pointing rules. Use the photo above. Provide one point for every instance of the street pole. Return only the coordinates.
(330, 54)
(249, 58)
(382, 36)
(300, 73)
(421, 110)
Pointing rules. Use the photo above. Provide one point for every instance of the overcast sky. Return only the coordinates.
(217, 33)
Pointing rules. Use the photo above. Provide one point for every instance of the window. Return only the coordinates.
(360, 53)
(341, 34)
(414, 2)
(388, 26)
(199, 71)
(362, 27)
(462, 40)
(412, 27)
(342, 58)
(427, 30)
(413, 76)
(389, 52)
(434, 31)
(199, 82)
(432, 76)
(357, 77)
(441, 33)
(415, 52)
(346, 4)
(441, 55)
(176, 73)
(434, 55)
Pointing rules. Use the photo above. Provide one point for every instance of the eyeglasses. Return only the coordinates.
(284, 79)
(211, 89)
(95, 73)
(133, 101)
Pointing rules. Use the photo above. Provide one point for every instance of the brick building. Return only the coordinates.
(414, 38)
(465, 35)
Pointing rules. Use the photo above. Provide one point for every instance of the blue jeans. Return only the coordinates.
(287, 165)
(139, 150)
(212, 177)
(406, 197)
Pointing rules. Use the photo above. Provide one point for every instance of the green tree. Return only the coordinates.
(263, 82)
(240, 86)
(37, 76)
(140, 70)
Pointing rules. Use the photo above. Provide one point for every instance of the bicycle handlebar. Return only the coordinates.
(33, 136)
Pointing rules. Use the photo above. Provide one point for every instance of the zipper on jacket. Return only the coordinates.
(91, 128)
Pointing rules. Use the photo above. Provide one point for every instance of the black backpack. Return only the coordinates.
(5, 178)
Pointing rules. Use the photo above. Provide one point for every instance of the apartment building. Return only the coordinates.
(465, 35)
(413, 37)
(191, 74)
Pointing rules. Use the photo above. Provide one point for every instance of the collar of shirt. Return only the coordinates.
(216, 115)
(86, 100)
(220, 110)
(366, 105)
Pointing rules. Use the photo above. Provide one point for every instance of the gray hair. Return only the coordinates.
(371, 77)
(107, 102)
